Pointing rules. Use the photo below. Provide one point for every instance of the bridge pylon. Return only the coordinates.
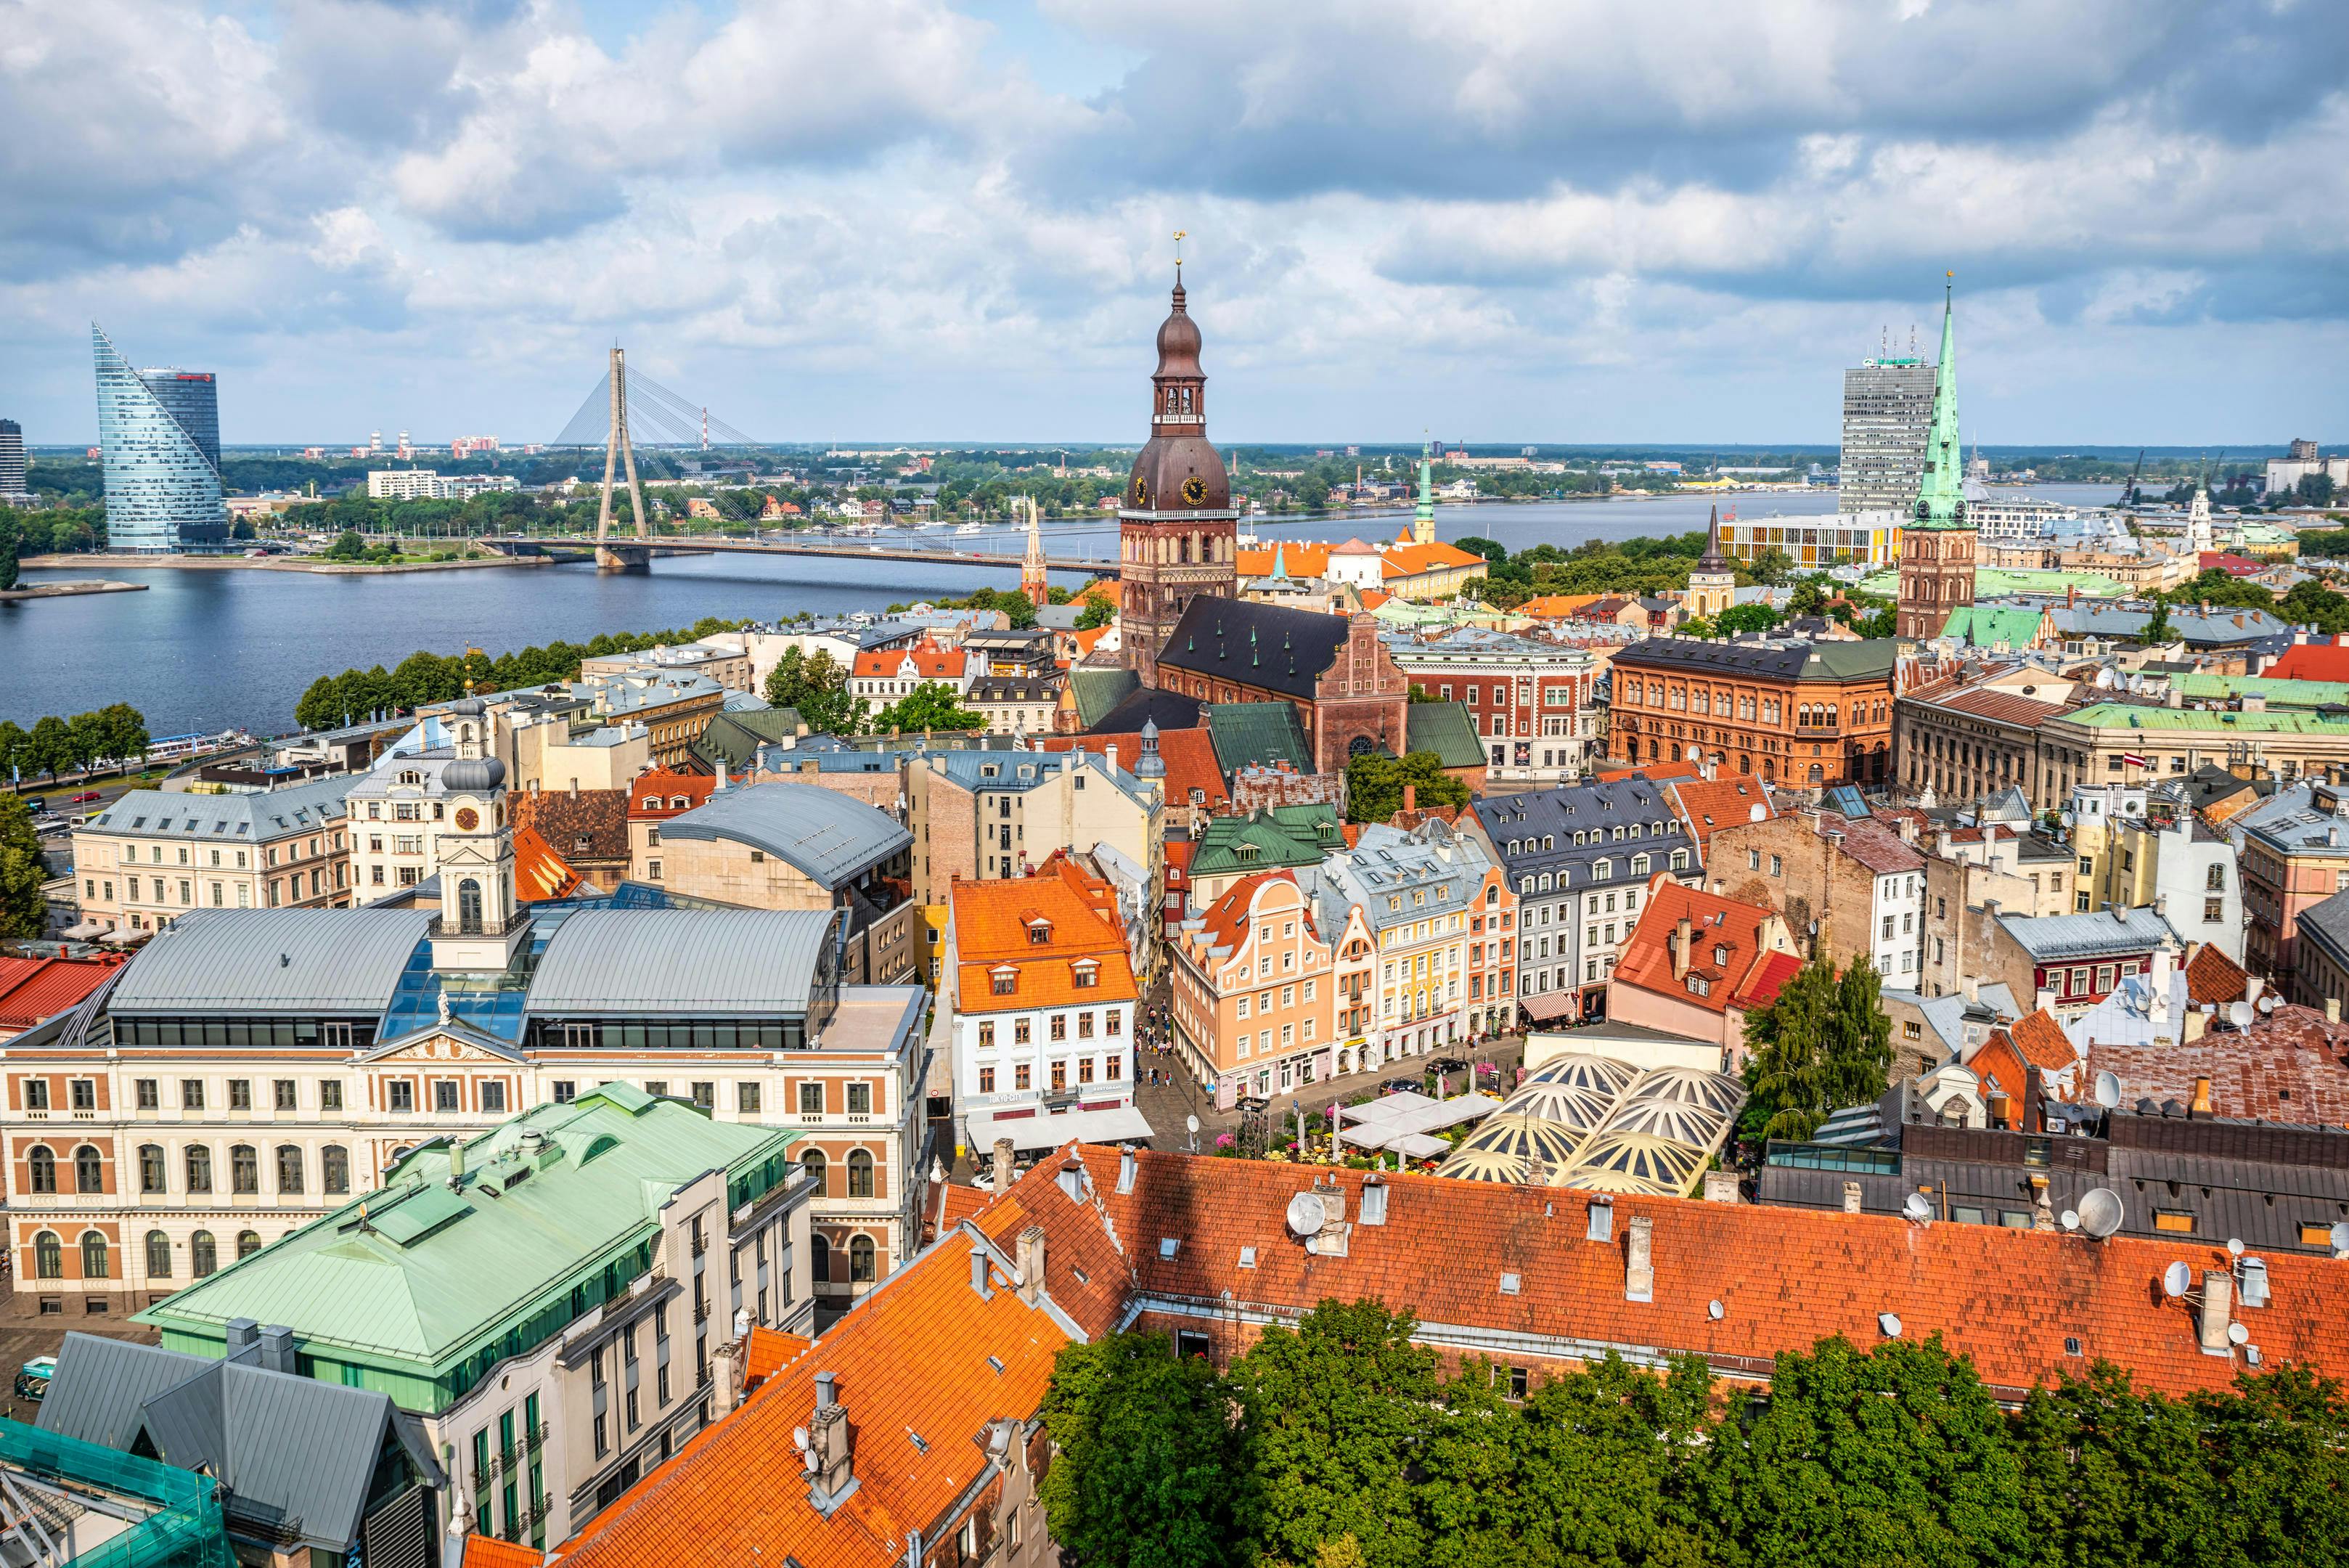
(618, 449)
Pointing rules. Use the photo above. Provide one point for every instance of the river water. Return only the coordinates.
(206, 649)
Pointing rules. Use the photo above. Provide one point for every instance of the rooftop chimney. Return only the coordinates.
(1410, 797)
(1031, 1263)
(243, 1335)
(1971, 987)
(2218, 1304)
(1639, 1269)
(2202, 1105)
(277, 1348)
(978, 1272)
(1683, 938)
(1851, 1197)
(831, 1457)
(1001, 1170)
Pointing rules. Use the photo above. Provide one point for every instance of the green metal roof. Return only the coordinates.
(1099, 690)
(1285, 836)
(1985, 626)
(1263, 733)
(2131, 716)
(735, 738)
(1447, 729)
(2203, 688)
(422, 1274)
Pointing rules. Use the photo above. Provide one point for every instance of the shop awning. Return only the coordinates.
(1549, 1004)
(1116, 1123)
(88, 930)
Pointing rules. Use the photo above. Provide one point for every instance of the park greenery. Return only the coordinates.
(23, 911)
(1374, 784)
(1825, 1043)
(115, 734)
(1340, 1443)
(932, 705)
(423, 677)
(816, 687)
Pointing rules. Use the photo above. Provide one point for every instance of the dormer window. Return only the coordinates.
(1699, 986)
(1040, 933)
(1006, 979)
(1244, 852)
(1086, 974)
(1720, 956)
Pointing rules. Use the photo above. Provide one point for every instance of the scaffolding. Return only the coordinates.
(49, 1482)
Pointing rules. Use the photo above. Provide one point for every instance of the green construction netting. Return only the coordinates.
(185, 1529)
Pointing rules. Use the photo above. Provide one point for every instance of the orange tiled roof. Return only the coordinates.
(994, 922)
(1707, 804)
(2212, 976)
(489, 1551)
(2040, 1041)
(1087, 636)
(1661, 773)
(1189, 756)
(539, 873)
(656, 792)
(1373, 597)
(2326, 661)
(1228, 918)
(926, 661)
(1405, 559)
(770, 1350)
(1998, 1066)
(32, 989)
(1746, 976)
(1558, 607)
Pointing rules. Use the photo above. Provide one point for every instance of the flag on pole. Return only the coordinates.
(2134, 761)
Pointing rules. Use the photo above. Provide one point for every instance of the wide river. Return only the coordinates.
(205, 649)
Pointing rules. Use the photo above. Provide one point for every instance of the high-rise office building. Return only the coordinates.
(14, 489)
(1887, 408)
(159, 432)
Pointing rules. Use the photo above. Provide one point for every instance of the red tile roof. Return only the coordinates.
(580, 825)
(1189, 756)
(1750, 969)
(2291, 1066)
(2040, 1041)
(655, 794)
(32, 989)
(489, 1551)
(2325, 660)
(1661, 773)
(2233, 565)
(1707, 804)
(770, 1350)
(995, 925)
(926, 661)
(2212, 976)
(2004, 706)
(539, 873)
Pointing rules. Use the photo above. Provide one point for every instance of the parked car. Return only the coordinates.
(33, 1378)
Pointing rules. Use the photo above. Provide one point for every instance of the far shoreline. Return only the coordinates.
(313, 564)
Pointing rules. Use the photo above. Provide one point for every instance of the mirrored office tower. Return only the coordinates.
(159, 433)
(14, 489)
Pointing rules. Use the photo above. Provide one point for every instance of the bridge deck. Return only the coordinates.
(726, 544)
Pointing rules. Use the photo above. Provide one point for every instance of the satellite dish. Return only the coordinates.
(2100, 1211)
(1918, 1207)
(1889, 1322)
(2108, 1090)
(2238, 1014)
(799, 1437)
(2341, 1236)
(2237, 1334)
(2069, 1220)
(1714, 1311)
(1305, 1214)
(2067, 819)
(2268, 1002)
(2234, 1246)
(2175, 1278)
(1190, 1124)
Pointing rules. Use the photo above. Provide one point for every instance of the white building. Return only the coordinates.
(426, 484)
(398, 812)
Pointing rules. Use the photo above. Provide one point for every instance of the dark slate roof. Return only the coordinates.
(734, 738)
(1774, 659)
(1267, 646)
(1529, 818)
(287, 1450)
(1448, 730)
(1261, 733)
(1148, 704)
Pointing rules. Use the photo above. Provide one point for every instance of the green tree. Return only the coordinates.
(15, 753)
(9, 537)
(23, 911)
(1336, 1412)
(2313, 490)
(125, 731)
(1773, 566)
(2157, 625)
(1810, 597)
(348, 546)
(49, 747)
(1145, 1450)
(1787, 1072)
(2115, 1478)
(1896, 1456)
(2311, 603)
(2216, 587)
(932, 705)
(1098, 611)
(817, 687)
(1374, 784)
(1885, 622)
(2278, 1448)
(1476, 544)
(1697, 626)
(1746, 617)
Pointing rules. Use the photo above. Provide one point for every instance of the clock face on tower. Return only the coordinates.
(467, 819)
(1141, 492)
(1194, 490)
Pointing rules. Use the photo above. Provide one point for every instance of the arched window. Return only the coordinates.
(860, 1174)
(202, 1257)
(159, 1255)
(860, 1260)
(335, 1167)
(248, 1242)
(88, 1175)
(150, 1167)
(468, 907)
(819, 1258)
(244, 1168)
(43, 1167)
(48, 1256)
(199, 1169)
(289, 1167)
(93, 1256)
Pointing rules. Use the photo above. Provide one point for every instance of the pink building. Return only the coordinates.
(1255, 991)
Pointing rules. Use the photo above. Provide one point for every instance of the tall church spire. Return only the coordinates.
(1032, 579)
(1941, 497)
(1422, 522)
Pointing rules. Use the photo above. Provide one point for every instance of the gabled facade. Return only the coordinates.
(1255, 992)
(1698, 963)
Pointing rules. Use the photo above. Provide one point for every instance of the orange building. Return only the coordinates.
(1255, 997)
(1697, 964)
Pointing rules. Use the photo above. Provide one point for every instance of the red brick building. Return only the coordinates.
(1176, 526)
(1794, 712)
(1333, 669)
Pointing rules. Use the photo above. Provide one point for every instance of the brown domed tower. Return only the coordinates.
(1176, 526)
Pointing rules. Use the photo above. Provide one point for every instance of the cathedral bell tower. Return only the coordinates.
(1713, 581)
(1938, 546)
(1176, 526)
(478, 927)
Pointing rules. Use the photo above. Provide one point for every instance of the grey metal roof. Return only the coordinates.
(1521, 822)
(288, 1450)
(254, 818)
(680, 963)
(825, 835)
(2118, 931)
(272, 962)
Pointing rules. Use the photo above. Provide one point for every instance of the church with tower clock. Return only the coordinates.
(1176, 525)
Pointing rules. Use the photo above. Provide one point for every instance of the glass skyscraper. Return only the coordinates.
(1888, 410)
(159, 433)
(14, 489)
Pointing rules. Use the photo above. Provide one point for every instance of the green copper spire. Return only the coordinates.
(1423, 524)
(1942, 498)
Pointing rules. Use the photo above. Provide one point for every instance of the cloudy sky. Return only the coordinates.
(1504, 220)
